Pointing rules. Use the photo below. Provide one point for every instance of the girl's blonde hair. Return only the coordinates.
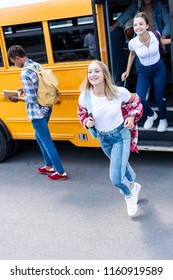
(110, 88)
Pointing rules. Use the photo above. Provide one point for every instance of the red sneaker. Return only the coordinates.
(58, 176)
(43, 170)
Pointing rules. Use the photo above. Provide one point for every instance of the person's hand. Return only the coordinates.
(165, 41)
(114, 25)
(20, 90)
(90, 122)
(112, 28)
(13, 98)
(124, 76)
(163, 36)
(129, 123)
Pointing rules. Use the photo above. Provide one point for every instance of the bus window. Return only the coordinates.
(1, 60)
(68, 39)
(30, 37)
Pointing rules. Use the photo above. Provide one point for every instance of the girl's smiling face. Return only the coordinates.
(95, 74)
(139, 25)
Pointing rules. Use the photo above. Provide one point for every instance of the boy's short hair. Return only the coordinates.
(16, 50)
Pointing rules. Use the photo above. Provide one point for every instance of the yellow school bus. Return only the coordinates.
(53, 33)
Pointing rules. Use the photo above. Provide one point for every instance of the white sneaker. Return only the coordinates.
(163, 124)
(135, 190)
(132, 206)
(150, 120)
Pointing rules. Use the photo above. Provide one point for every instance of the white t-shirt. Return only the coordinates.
(147, 55)
(107, 114)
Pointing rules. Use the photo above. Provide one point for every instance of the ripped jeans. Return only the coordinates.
(116, 146)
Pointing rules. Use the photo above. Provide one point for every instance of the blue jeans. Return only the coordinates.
(44, 140)
(157, 74)
(116, 145)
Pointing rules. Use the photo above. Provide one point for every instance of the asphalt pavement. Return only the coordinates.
(85, 217)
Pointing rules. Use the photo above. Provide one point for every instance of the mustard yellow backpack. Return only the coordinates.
(48, 93)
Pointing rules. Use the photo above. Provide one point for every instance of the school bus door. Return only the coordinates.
(111, 43)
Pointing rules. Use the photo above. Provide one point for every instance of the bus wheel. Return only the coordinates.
(5, 146)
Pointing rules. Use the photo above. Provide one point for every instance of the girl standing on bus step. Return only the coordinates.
(151, 68)
(112, 130)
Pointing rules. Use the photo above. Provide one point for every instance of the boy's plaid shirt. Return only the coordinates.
(30, 86)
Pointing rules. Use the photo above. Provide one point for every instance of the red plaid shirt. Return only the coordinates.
(129, 109)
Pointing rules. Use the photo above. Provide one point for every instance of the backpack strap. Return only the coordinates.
(157, 35)
(31, 68)
(88, 101)
(92, 130)
(161, 47)
(39, 72)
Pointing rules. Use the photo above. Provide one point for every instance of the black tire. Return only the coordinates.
(5, 146)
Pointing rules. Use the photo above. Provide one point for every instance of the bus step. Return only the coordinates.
(161, 146)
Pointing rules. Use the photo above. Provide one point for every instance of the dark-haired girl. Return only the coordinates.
(151, 68)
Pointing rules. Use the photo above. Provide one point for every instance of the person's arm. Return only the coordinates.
(114, 25)
(132, 111)
(166, 21)
(131, 58)
(16, 98)
(133, 108)
(128, 13)
(165, 41)
(85, 41)
(129, 122)
(86, 120)
(132, 98)
(30, 85)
